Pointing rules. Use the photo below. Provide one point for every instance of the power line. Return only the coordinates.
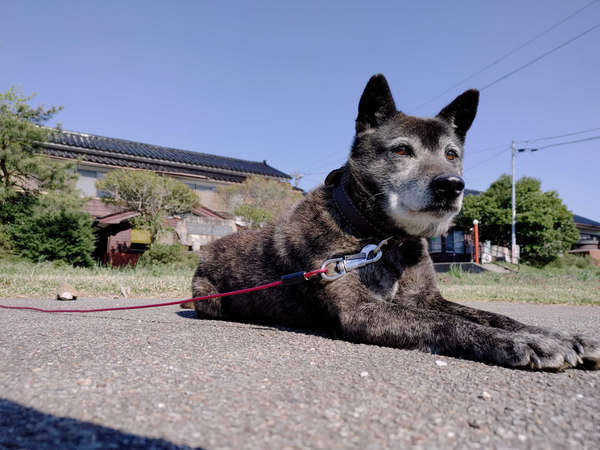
(528, 141)
(494, 156)
(543, 55)
(485, 150)
(509, 53)
(593, 138)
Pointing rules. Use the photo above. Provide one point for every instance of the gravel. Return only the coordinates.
(160, 379)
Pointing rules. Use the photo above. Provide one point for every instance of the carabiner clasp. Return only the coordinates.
(345, 264)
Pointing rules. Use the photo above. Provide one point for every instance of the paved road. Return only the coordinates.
(160, 379)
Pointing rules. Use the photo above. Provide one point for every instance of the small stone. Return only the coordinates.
(441, 363)
(451, 434)
(485, 395)
(579, 396)
(84, 381)
(66, 292)
(364, 373)
(522, 437)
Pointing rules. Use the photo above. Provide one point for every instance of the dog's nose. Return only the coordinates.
(447, 187)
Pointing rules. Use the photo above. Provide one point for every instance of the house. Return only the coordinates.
(456, 245)
(118, 243)
(202, 172)
(589, 237)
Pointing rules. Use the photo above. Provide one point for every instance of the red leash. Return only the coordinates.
(286, 280)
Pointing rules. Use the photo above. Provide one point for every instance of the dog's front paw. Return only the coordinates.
(589, 351)
(534, 351)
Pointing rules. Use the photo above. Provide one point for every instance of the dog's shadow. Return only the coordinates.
(191, 314)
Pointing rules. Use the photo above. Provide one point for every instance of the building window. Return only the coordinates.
(455, 242)
(435, 244)
(201, 187)
(87, 173)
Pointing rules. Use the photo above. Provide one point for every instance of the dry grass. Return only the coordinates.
(569, 285)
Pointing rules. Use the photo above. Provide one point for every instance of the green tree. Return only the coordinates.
(22, 132)
(544, 226)
(151, 195)
(258, 200)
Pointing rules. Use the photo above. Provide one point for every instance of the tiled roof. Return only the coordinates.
(124, 153)
(585, 221)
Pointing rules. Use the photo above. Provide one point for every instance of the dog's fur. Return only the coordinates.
(390, 177)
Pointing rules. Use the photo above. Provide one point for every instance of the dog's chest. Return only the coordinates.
(401, 275)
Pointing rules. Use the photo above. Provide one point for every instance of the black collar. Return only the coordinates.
(348, 210)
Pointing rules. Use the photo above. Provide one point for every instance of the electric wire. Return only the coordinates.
(494, 156)
(546, 138)
(509, 53)
(543, 55)
(593, 138)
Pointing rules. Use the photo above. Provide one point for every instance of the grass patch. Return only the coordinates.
(569, 282)
(27, 279)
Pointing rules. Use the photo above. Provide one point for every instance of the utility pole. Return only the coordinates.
(297, 176)
(513, 235)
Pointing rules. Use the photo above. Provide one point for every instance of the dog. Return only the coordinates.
(401, 184)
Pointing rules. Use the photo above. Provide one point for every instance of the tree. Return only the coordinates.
(258, 200)
(544, 225)
(151, 195)
(22, 132)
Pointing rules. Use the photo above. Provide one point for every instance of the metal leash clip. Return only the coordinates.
(345, 264)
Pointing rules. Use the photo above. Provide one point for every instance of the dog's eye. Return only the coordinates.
(451, 155)
(403, 150)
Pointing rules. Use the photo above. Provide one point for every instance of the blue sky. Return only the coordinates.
(280, 81)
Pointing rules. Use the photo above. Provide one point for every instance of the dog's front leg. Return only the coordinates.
(366, 319)
(587, 349)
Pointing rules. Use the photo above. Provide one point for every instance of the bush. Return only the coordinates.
(165, 254)
(49, 227)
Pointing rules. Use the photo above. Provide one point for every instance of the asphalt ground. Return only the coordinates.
(159, 378)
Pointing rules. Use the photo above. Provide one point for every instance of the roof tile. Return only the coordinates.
(160, 154)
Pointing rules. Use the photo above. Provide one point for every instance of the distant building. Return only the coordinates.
(118, 243)
(589, 237)
(202, 172)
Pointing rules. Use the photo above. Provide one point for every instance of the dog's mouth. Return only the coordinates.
(443, 208)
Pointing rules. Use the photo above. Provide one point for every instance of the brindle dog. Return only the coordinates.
(402, 181)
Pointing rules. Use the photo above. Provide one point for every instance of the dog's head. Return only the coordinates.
(411, 167)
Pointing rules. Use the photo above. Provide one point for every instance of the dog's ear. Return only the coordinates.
(334, 177)
(376, 104)
(461, 112)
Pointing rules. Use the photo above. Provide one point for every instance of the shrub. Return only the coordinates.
(49, 227)
(165, 254)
